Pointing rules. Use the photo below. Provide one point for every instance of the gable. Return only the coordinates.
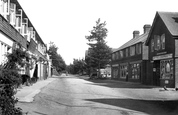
(168, 19)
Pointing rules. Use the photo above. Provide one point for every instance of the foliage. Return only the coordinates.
(57, 60)
(9, 80)
(77, 67)
(98, 53)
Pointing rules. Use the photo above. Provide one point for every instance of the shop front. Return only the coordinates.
(163, 69)
(135, 71)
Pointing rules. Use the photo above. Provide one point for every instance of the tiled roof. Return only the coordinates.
(141, 38)
(171, 21)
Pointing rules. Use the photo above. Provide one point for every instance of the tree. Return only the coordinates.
(78, 66)
(99, 52)
(57, 59)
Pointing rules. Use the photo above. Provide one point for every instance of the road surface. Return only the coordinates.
(71, 95)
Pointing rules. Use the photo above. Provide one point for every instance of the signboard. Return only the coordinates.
(115, 65)
(166, 56)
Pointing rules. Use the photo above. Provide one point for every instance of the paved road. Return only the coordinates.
(71, 95)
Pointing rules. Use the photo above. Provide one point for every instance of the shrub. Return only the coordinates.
(10, 79)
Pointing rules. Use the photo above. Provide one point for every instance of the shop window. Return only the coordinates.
(166, 67)
(163, 41)
(123, 71)
(135, 68)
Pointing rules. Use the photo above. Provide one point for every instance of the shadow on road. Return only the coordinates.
(39, 113)
(114, 83)
(151, 107)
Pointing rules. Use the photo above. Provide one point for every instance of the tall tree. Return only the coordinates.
(99, 51)
(57, 59)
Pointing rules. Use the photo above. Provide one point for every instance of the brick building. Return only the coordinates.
(162, 69)
(129, 60)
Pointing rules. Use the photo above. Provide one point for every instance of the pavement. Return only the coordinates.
(27, 93)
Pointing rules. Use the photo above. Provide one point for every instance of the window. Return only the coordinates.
(155, 42)
(158, 43)
(138, 48)
(115, 72)
(123, 71)
(121, 54)
(132, 50)
(135, 68)
(126, 52)
(166, 69)
(152, 45)
(113, 56)
(163, 41)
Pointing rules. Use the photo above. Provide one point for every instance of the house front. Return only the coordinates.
(129, 60)
(162, 69)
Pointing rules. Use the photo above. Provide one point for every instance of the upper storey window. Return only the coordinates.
(158, 43)
(152, 45)
(121, 54)
(163, 41)
(132, 50)
(126, 52)
(138, 48)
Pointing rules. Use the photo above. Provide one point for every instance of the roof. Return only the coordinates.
(142, 38)
(171, 21)
(29, 22)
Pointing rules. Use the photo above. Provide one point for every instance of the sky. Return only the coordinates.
(67, 22)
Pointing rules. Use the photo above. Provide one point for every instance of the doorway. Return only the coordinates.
(156, 73)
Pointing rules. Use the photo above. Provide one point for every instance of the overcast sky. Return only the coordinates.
(67, 22)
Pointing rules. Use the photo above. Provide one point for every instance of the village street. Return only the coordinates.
(76, 95)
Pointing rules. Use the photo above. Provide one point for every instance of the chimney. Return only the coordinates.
(135, 34)
(146, 28)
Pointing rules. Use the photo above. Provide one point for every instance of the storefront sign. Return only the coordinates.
(115, 65)
(162, 57)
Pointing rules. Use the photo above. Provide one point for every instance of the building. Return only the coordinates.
(162, 69)
(16, 27)
(129, 61)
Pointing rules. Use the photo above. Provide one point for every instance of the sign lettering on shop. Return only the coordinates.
(166, 56)
(115, 65)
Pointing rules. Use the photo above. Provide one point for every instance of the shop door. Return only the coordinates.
(156, 73)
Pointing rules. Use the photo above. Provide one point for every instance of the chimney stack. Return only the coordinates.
(136, 34)
(146, 28)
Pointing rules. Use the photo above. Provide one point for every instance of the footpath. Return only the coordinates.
(27, 93)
